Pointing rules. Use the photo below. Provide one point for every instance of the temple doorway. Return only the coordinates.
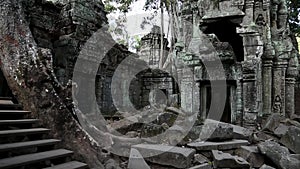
(206, 96)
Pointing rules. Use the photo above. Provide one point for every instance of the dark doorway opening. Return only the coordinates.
(206, 101)
(225, 30)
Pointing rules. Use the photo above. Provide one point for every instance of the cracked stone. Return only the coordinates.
(252, 155)
(226, 160)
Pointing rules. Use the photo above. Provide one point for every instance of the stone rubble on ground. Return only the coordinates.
(226, 160)
(276, 145)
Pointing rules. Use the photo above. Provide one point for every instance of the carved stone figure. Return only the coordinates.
(277, 105)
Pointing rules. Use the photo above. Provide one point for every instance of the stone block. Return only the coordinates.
(279, 155)
(226, 160)
(225, 145)
(252, 155)
(281, 130)
(273, 122)
(200, 159)
(216, 131)
(166, 155)
(292, 139)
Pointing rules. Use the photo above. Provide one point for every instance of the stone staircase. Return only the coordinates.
(25, 145)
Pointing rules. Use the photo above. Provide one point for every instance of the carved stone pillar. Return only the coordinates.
(290, 97)
(267, 79)
(292, 73)
(279, 75)
(250, 92)
(267, 86)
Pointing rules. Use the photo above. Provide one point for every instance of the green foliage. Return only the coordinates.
(294, 9)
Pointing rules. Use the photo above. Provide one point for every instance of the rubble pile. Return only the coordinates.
(212, 144)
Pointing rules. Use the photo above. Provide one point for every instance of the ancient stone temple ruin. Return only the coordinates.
(253, 43)
(222, 94)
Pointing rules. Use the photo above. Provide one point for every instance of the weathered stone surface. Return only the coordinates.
(262, 136)
(266, 167)
(289, 163)
(166, 155)
(281, 130)
(202, 166)
(273, 151)
(225, 145)
(273, 122)
(111, 164)
(216, 131)
(279, 155)
(200, 159)
(252, 155)
(241, 132)
(292, 139)
(136, 160)
(226, 160)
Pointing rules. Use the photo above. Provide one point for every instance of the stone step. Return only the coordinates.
(12, 114)
(5, 105)
(70, 165)
(5, 98)
(225, 145)
(16, 122)
(7, 133)
(24, 160)
(27, 144)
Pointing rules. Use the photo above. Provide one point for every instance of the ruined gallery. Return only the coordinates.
(219, 89)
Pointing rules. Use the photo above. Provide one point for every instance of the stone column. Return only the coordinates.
(250, 93)
(267, 86)
(292, 73)
(267, 80)
(279, 75)
(290, 97)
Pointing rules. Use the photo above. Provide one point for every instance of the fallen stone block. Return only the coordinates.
(215, 131)
(272, 122)
(252, 155)
(261, 136)
(292, 139)
(279, 155)
(241, 132)
(200, 159)
(166, 155)
(226, 145)
(226, 160)
(266, 167)
(281, 130)
(202, 166)
(238, 131)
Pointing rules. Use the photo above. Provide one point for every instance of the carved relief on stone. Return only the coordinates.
(277, 107)
(260, 20)
(220, 8)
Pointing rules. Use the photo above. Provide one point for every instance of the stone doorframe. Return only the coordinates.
(231, 85)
